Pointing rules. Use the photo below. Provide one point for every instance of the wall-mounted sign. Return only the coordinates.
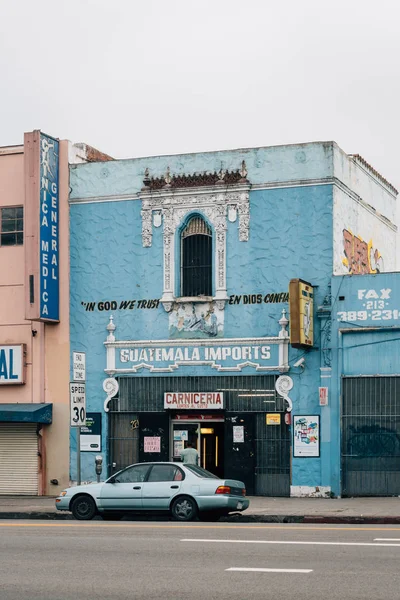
(222, 357)
(306, 436)
(238, 434)
(323, 396)
(42, 226)
(152, 444)
(232, 355)
(194, 400)
(12, 364)
(370, 304)
(77, 395)
(301, 306)
(79, 366)
(91, 433)
(273, 418)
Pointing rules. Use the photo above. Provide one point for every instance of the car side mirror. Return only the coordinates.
(111, 480)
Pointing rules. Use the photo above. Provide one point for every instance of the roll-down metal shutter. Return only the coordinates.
(18, 459)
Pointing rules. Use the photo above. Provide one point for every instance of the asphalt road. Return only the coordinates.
(131, 560)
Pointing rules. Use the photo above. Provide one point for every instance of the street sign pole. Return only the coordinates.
(78, 456)
(77, 391)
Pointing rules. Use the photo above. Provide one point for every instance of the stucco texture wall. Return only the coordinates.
(290, 236)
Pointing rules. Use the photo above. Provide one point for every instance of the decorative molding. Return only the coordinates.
(178, 181)
(174, 204)
(111, 387)
(283, 385)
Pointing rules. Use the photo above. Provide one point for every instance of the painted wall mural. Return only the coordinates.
(196, 320)
(360, 257)
(364, 240)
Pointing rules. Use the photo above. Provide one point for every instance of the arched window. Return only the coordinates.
(196, 258)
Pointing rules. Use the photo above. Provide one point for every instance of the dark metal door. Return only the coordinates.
(273, 457)
(370, 436)
(123, 440)
(153, 425)
(239, 455)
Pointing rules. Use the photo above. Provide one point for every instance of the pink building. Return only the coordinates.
(34, 313)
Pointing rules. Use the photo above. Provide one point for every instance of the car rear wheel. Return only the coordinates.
(83, 508)
(184, 508)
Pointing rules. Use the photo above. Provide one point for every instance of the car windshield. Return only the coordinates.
(201, 472)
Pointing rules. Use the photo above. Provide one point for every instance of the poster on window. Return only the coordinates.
(178, 447)
(180, 435)
(152, 444)
(306, 436)
(238, 434)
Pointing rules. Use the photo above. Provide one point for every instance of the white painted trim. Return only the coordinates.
(258, 186)
(196, 342)
(196, 363)
(308, 491)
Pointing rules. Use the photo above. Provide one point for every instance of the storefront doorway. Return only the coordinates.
(207, 436)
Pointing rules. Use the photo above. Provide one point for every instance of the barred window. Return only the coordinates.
(196, 259)
(12, 226)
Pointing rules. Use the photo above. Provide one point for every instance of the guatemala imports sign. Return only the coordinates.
(226, 355)
(229, 355)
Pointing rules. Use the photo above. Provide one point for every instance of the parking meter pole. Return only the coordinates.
(98, 466)
(78, 456)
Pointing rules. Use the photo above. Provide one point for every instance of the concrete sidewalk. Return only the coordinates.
(262, 510)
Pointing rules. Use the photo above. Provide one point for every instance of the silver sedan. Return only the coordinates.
(183, 490)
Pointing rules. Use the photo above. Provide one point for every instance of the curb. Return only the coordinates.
(234, 518)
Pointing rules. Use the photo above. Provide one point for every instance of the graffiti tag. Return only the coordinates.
(360, 257)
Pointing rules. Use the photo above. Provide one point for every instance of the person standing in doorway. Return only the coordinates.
(189, 455)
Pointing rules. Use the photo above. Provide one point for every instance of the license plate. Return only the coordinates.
(239, 505)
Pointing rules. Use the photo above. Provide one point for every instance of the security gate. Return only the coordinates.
(254, 452)
(371, 436)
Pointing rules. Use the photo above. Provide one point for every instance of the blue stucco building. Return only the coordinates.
(180, 274)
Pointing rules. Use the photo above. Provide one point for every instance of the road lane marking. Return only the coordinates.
(254, 570)
(221, 526)
(295, 543)
(387, 540)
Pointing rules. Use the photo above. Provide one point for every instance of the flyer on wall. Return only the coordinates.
(306, 436)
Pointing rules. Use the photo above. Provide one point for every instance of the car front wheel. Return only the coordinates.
(83, 508)
(184, 509)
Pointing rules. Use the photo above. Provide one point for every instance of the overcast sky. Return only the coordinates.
(147, 77)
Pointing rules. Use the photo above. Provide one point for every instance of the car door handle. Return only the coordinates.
(174, 487)
(137, 487)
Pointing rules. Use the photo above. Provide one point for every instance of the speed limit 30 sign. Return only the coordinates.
(77, 394)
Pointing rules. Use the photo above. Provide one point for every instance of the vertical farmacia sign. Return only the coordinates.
(49, 229)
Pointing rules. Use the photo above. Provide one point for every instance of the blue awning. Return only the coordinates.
(26, 413)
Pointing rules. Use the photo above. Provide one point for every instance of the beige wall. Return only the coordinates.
(47, 371)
